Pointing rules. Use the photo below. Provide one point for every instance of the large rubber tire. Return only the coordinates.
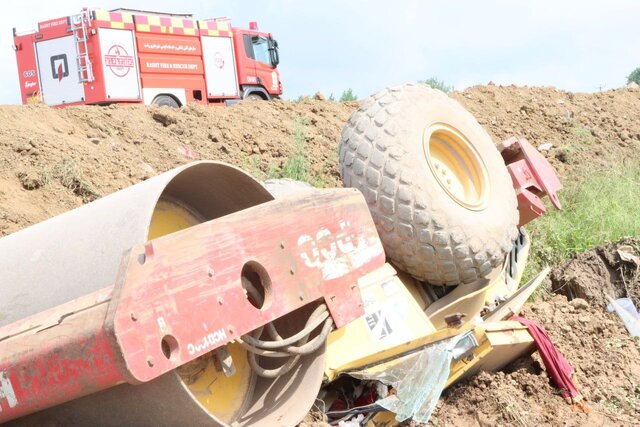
(429, 228)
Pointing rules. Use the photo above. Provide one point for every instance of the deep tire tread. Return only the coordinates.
(417, 238)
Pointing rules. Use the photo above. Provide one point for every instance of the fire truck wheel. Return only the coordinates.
(254, 97)
(165, 100)
(437, 187)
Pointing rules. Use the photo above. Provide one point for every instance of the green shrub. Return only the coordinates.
(435, 83)
(298, 166)
(634, 76)
(348, 95)
(583, 134)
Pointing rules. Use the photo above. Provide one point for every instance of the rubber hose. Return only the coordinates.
(318, 316)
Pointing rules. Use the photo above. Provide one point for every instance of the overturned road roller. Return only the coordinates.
(196, 298)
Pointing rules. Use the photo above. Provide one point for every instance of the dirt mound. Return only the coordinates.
(607, 368)
(52, 160)
(610, 271)
(587, 131)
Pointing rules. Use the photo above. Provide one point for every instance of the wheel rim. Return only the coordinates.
(457, 166)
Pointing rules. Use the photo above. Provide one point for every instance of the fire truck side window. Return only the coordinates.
(248, 46)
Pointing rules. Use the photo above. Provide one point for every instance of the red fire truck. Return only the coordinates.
(124, 55)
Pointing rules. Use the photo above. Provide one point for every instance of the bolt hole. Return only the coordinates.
(169, 346)
(256, 284)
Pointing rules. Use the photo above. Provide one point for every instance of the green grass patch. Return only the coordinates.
(68, 174)
(597, 209)
(297, 166)
(253, 165)
(582, 134)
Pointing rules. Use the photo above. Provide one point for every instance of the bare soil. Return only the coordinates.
(53, 160)
(612, 271)
(587, 131)
(605, 358)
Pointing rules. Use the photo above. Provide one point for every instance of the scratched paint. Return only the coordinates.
(6, 391)
(337, 254)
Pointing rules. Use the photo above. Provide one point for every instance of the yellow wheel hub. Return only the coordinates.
(457, 166)
(224, 397)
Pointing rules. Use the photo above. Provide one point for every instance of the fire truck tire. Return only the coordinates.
(166, 100)
(437, 188)
(254, 97)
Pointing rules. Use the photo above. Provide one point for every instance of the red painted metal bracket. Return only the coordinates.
(533, 178)
(181, 296)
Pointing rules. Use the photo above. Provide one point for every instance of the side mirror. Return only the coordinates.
(273, 52)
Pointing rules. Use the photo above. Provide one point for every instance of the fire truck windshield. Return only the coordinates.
(261, 49)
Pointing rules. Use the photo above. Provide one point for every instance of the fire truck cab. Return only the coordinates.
(123, 55)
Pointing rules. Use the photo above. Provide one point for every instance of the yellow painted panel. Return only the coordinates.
(393, 319)
(500, 343)
(102, 15)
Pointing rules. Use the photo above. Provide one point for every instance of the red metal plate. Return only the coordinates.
(312, 247)
(533, 178)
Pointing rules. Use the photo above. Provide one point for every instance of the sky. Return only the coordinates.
(333, 45)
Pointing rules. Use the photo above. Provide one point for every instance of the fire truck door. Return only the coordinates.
(220, 66)
(58, 71)
(119, 64)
